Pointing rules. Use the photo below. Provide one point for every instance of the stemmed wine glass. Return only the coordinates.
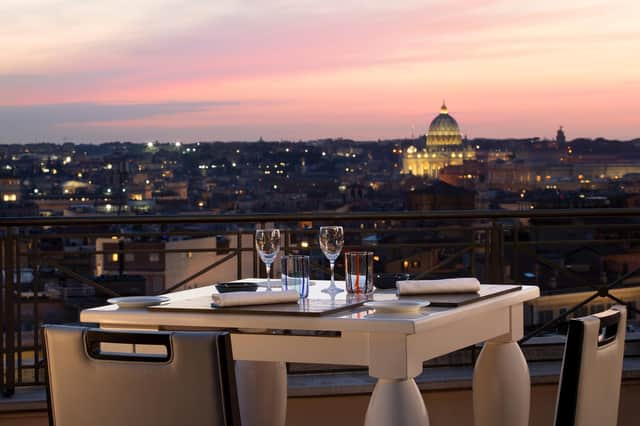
(331, 242)
(268, 246)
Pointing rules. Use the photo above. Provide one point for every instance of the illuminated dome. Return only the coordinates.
(443, 130)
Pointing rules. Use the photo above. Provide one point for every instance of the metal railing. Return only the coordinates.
(44, 274)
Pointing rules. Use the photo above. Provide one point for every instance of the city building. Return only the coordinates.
(443, 148)
(10, 190)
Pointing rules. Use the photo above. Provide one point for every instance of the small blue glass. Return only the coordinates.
(295, 274)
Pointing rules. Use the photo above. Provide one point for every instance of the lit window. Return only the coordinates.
(115, 257)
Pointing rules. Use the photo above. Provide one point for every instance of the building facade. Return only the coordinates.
(443, 148)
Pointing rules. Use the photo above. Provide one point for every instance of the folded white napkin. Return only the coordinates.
(451, 285)
(241, 298)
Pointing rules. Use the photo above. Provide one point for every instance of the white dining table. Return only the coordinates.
(392, 346)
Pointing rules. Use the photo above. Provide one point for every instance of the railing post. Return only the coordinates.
(515, 265)
(17, 285)
(496, 254)
(9, 317)
(239, 255)
(35, 265)
(473, 252)
(3, 320)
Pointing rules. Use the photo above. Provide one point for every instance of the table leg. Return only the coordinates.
(501, 386)
(262, 392)
(398, 403)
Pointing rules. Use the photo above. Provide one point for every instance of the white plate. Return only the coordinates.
(137, 301)
(397, 305)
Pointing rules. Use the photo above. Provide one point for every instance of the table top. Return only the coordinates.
(360, 319)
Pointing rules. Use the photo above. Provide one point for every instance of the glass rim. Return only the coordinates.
(295, 256)
(268, 230)
(358, 252)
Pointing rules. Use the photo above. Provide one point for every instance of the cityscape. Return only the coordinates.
(439, 170)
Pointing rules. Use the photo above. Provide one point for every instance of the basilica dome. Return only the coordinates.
(443, 130)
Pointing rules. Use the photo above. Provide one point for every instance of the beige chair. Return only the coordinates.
(591, 373)
(188, 380)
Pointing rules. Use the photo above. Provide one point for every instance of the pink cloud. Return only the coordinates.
(357, 70)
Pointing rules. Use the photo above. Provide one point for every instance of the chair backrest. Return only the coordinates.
(186, 378)
(591, 375)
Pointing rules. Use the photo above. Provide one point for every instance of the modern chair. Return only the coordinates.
(189, 380)
(591, 373)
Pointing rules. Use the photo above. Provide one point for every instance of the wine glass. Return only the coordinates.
(331, 242)
(268, 246)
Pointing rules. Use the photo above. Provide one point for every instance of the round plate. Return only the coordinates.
(137, 301)
(397, 305)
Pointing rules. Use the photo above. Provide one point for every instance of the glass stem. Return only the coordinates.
(268, 267)
(333, 282)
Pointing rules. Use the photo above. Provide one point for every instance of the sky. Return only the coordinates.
(97, 71)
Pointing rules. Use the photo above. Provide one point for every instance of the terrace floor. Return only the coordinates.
(342, 398)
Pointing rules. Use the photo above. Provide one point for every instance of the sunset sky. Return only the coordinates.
(95, 71)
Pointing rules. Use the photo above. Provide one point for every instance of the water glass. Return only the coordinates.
(295, 274)
(359, 272)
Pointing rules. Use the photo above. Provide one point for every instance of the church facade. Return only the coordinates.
(443, 148)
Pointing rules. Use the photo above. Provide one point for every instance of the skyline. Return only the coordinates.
(241, 70)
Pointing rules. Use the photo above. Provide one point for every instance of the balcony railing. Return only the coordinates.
(54, 267)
